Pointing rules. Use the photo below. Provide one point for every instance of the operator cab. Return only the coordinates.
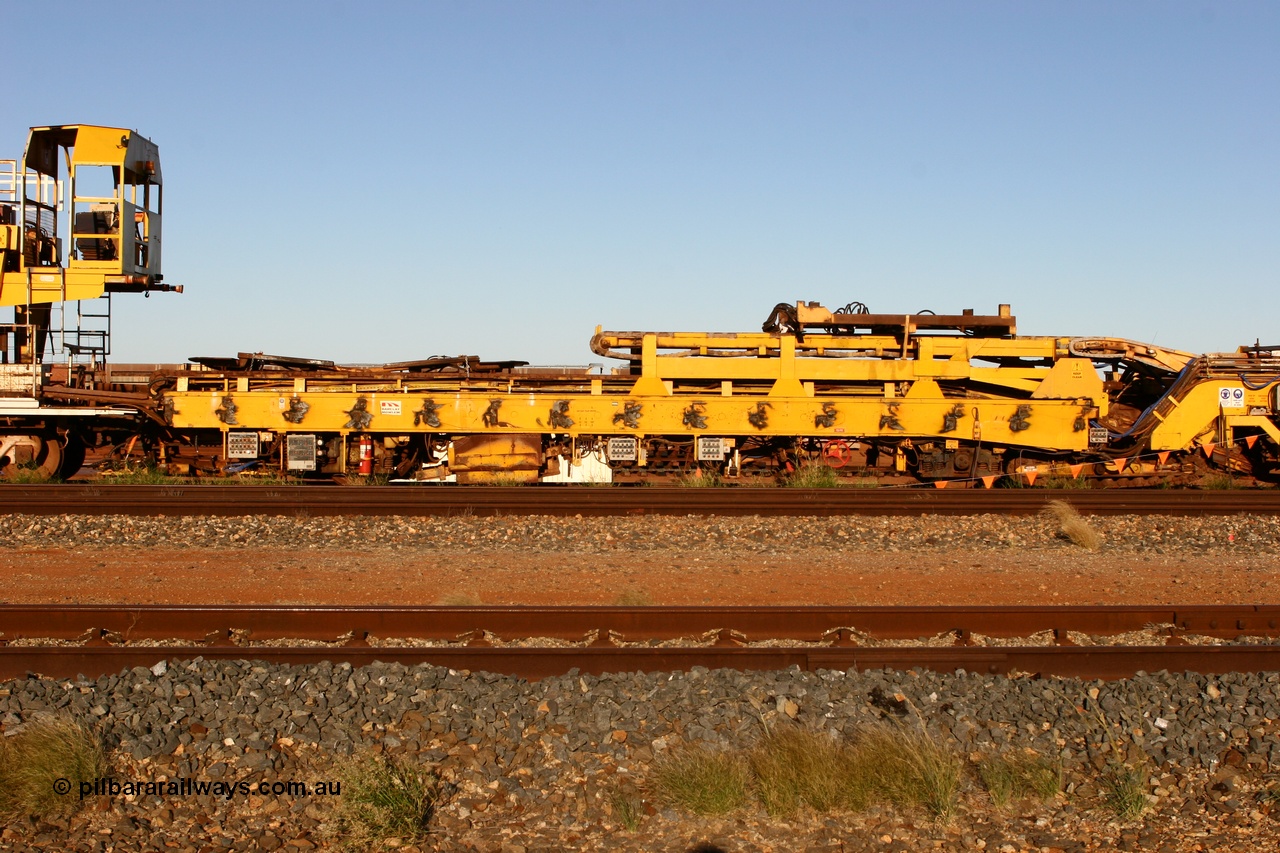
(79, 220)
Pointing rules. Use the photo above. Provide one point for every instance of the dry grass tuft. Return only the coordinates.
(628, 808)
(1073, 526)
(41, 754)
(1219, 482)
(1061, 482)
(382, 799)
(910, 768)
(812, 476)
(1017, 776)
(123, 473)
(1124, 791)
(701, 781)
(795, 768)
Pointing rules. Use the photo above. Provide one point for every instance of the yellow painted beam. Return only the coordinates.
(1051, 423)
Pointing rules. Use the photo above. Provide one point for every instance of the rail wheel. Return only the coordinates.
(31, 458)
(73, 454)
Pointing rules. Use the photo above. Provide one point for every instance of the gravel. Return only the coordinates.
(539, 766)
(535, 766)
(740, 535)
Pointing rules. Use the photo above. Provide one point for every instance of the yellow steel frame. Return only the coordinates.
(137, 233)
(765, 385)
(1034, 394)
(1198, 416)
(1051, 423)
(780, 359)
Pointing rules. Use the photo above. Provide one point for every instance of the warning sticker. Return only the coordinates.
(1231, 398)
(388, 407)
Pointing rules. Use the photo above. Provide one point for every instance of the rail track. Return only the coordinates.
(94, 499)
(93, 640)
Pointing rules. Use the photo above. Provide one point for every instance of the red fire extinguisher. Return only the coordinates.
(366, 455)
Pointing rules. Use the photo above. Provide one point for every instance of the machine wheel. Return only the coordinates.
(45, 457)
(42, 460)
(73, 453)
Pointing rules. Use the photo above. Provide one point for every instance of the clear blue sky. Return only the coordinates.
(375, 181)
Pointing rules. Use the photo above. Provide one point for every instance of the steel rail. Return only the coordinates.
(332, 623)
(446, 500)
(469, 636)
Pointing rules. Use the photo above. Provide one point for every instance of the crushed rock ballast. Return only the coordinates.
(1121, 534)
(536, 765)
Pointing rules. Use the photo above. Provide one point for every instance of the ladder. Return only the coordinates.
(88, 341)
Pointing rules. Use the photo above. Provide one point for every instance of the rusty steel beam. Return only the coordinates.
(485, 501)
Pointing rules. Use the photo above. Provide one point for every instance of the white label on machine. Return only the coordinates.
(389, 407)
(710, 449)
(242, 445)
(622, 450)
(300, 451)
(1231, 398)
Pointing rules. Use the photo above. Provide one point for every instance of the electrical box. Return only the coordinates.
(710, 449)
(242, 445)
(300, 453)
(623, 449)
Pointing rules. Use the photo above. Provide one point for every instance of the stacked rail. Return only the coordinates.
(92, 640)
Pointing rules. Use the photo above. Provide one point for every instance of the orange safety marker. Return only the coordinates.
(1121, 462)
(1250, 441)
(1208, 447)
(988, 481)
(1163, 456)
(940, 484)
(1075, 471)
(1030, 474)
